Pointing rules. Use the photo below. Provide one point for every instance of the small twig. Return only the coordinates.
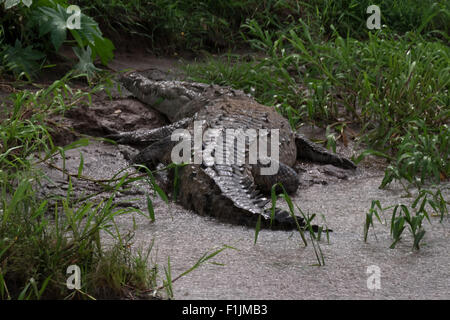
(8, 87)
(99, 181)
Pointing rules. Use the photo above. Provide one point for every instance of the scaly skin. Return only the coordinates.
(175, 99)
(227, 192)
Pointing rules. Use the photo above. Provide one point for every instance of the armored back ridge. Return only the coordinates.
(228, 190)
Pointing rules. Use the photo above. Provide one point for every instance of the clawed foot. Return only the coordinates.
(285, 220)
(123, 137)
(118, 137)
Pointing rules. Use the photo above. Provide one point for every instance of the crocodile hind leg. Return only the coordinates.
(229, 194)
(285, 175)
(307, 149)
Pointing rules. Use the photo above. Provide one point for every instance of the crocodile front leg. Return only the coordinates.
(307, 149)
(155, 153)
(145, 136)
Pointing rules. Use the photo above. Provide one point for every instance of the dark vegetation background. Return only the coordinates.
(314, 61)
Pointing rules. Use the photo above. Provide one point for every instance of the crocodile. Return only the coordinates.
(234, 192)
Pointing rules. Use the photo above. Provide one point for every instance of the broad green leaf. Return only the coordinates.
(77, 37)
(103, 47)
(89, 29)
(85, 65)
(54, 21)
(11, 3)
(19, 59)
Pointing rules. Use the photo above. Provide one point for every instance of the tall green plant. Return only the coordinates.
(33, 30)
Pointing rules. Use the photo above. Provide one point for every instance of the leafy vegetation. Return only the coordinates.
(314, 231)
(188, 25)
(412, 217)
(348, 17)
(41, 237)
(31, 32)
(394, 88)
(329, 70)
(214, 25)
(314, 61)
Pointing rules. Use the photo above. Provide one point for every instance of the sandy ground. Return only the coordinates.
(279, 266)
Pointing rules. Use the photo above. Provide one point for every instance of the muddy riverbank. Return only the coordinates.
(278, 266)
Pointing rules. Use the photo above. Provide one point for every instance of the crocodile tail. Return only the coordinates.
(244, 196)
(307, 149)
(229, 194)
